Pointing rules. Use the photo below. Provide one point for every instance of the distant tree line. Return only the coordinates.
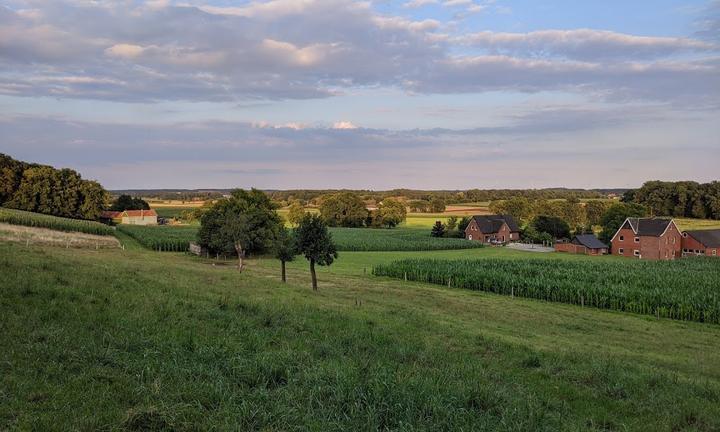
(679, 199)
(347, 209)
(44, 189)
(126, 202)
(313, 197)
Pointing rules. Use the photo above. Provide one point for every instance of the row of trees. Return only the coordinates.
(582, 216)
(127, 202)
(248, 223)
(448, 196)
(435, 205)
(44, 189)
(346, 209)
(679, 199)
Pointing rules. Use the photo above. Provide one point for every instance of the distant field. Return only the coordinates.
(397, 239)
(19, 217)
(697, 224)
(171, 211)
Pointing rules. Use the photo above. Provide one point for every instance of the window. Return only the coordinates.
(622, 238)
(674, 240)
(470, 237)
(637, 239)
(621, 251)
(714, 252)
(685, 235)
(636, 253)
(666, 254)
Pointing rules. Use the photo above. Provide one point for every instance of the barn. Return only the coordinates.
(586, 244)
(131, 217)
(701, 242)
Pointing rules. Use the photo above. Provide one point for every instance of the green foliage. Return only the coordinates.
(161, 238)
(437, 205)
(463, 224)
(614, 217)
(679, 199)
(44, 189)
(285, 245)
(554, 226)
(391, 212)
(683, 289)
(518, 207)
(343, 209)
(398, 239)
(127, 202)
(594, 211)
(452, 223)
(438, 230)
(419, 206)
(295, 213)
(314, 241)
(20, 217)
(244, 223)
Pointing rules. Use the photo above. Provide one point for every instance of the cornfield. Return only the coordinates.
(25, 218)
(687, 289)
(397, 239)
(162, 238)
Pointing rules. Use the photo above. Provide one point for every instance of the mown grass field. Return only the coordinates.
(396, 239)
(137, 340)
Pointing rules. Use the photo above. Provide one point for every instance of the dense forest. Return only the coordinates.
(44, 189)
(680, 199)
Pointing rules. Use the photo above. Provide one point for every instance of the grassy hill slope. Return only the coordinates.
(138, 340)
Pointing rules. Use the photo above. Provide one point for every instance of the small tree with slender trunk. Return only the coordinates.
(315, 243)
(285, 248)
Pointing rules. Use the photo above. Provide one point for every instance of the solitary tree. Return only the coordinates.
(438, 230)
(245, 222)
(285, 248)
(343, 209)
(315, 243)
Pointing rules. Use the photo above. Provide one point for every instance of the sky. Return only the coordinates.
(421, 94)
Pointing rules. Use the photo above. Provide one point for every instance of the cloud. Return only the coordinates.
(537, 143)
(344, 125)
(585, 44)
(302, 49)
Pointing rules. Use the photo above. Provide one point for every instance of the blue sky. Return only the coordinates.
(432, 94)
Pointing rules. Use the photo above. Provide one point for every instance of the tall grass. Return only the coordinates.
(162, 238)
(25, 218)
(397, 239)
(686, 289)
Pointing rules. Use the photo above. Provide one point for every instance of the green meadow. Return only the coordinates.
(139, 340)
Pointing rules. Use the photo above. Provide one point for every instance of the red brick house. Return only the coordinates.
(586, 244)
(648, 238)
(701, 242)
(493, 229)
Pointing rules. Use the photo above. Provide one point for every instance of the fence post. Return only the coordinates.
(512, 292)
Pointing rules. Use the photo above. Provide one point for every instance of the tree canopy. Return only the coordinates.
(343, 209)
(616, 215)
(392, 212)
(680, 199)
(127, 202)
(247, 222)
(554, 226)
(314, 241)
(44, 189)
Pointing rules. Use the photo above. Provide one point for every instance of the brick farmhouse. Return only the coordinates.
(586, 244)
(648, 238)
(493, 229)
(131, 217)
(701, 242)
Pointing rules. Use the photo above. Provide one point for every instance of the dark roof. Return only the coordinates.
(649, 226)
(489, 224)
(589, 241)
(709, 238)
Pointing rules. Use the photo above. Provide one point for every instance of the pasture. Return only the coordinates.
(396, 239)
(136, 340)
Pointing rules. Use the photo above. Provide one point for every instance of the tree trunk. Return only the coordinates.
(282, 263)
(241, 255)
(312, 274)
